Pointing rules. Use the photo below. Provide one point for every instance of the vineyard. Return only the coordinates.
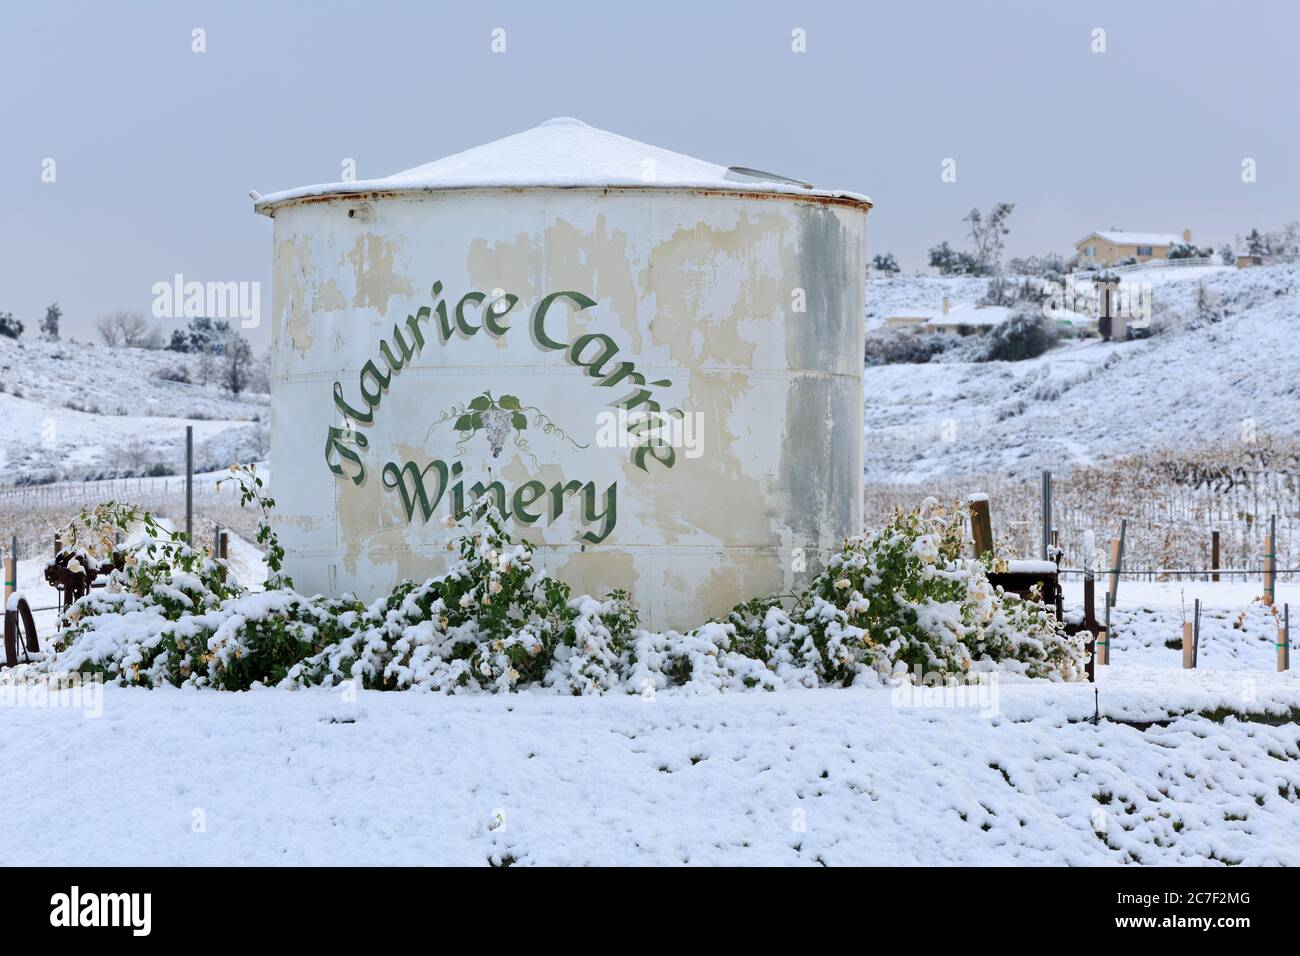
(1173, 501)
(34, 513)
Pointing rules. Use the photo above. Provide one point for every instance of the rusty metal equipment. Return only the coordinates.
(17, 650)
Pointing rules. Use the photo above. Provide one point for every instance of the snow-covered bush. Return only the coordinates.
(893, 346)
(1026, 334)
(493, 620)
(905, 600)
(895, 604)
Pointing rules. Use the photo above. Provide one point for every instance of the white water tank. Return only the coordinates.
(651, 363)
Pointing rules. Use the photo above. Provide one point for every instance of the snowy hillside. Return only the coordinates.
(1086, 400)
(76, 411)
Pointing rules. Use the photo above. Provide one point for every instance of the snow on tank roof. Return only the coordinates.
(564, 153)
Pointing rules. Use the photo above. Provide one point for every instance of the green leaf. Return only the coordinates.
(476, 421)
(510, 402)
(480, 403)
(519, 420)
(464, 423)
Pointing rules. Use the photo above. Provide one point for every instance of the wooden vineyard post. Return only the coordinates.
(981, 524)
(11, 578)
(223, 542)
(1284, 640)
(1214, 555)
(1189, 657)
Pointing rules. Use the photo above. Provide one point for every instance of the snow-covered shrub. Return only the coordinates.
(902, 601)
(493, 620)
(1025, 334)
(894, 346)
(174, 614)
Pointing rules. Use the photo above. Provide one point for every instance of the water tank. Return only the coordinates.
(651, 364)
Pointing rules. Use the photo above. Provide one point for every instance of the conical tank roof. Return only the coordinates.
(565, 153)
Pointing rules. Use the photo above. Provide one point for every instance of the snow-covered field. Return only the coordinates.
(1199, 767)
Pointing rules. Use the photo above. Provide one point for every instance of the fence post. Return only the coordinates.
(1117, 557)
(1047, 513)
(1270, 561)
(981, 524)
(1189, 657)
(11, 578)
(11, 570)
(1196, 631)
(1089, 618)
(1284, 640)
(1103, 641)
(1214, 555)
(189, 485)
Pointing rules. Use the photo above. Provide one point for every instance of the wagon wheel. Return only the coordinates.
(19, 651)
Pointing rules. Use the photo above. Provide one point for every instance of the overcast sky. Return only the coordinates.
(156, 146)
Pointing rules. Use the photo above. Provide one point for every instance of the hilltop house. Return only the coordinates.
(1112, 246)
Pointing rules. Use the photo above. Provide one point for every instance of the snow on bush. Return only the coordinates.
(894, 605)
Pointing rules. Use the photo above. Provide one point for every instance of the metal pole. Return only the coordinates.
(1270, 560)
(1089, 616)
(1119, 560)
(1284, 640)
(189, 485)
(1196, 631)
(1047, 513)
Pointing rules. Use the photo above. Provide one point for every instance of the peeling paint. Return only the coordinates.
(372, 266)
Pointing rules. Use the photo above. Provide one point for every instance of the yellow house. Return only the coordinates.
(1109, 247)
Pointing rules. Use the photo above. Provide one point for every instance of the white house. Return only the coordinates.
(965, 319)
(955, 319)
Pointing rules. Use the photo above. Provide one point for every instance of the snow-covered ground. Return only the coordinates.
(1199, 767)
(1087, 400)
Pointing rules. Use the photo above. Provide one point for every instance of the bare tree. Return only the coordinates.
(986, 234)
(130, 458)
(236, 360)
(206, 366)
(128, 330)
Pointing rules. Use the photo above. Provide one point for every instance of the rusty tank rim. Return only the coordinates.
(269, 206)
